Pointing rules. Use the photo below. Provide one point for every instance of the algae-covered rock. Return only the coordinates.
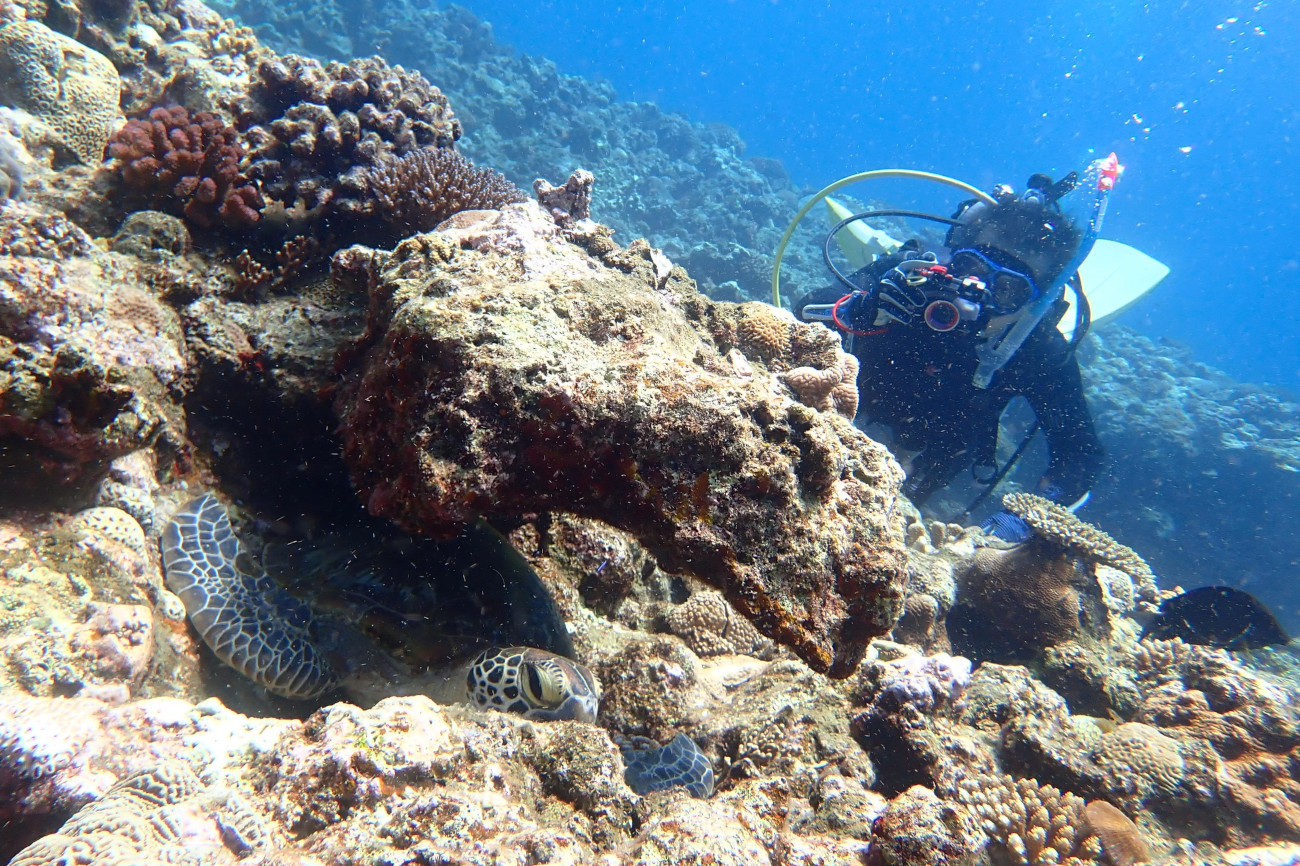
(507, 371)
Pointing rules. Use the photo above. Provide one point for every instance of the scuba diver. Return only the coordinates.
(946, 338)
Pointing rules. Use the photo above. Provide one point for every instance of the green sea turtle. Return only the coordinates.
(680, 763)
(247, 620)
(533, 683)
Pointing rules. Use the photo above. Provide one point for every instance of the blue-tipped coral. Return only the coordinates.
(533, 683)
(248, 621)
(680, 763)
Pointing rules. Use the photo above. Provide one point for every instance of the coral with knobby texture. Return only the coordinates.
(1029, 824)
(308, 126)
(832, 388)
(1059, 525)
(712, 627)
(189, 164)
(73, 89)
(566, 204)
(1011, 604)
(901, 718)
(1239, 736)
(927, 683)
(507, 372)
(652, 689)
(415, 192)
(78, 614)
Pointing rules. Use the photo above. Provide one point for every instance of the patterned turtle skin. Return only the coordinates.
(534, 683)
(248, 621)
(679, 763)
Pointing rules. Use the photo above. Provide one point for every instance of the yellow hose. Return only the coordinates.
(854, 178)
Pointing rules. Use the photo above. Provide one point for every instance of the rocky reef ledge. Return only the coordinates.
(510, 367)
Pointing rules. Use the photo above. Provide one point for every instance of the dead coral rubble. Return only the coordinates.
(509, 373)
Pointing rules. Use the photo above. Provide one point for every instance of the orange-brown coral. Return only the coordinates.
(763, 331)
(834, 388)
(1240, 738)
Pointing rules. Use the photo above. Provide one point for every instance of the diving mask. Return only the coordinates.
(1006, 290)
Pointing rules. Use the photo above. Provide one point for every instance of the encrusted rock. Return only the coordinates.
(509, 373)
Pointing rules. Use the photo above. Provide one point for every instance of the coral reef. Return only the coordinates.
(657, 460)
(508, 374)
(309, 126)
(186, 163)
(68, 86)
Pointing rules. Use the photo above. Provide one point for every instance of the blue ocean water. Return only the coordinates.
(1198, 99)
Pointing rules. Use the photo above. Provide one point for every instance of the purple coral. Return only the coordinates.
(924, 682)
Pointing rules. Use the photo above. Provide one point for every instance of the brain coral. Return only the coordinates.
(67, 85)
(1013, 603)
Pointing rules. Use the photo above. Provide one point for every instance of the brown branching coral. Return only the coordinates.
(414, 193)
(1060, 525)
(187, 164)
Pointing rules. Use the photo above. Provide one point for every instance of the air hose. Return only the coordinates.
(854, 178)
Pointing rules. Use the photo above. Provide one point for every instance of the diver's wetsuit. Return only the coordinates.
(918, 382)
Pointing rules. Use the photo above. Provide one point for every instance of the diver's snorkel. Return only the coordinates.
(1085, 206)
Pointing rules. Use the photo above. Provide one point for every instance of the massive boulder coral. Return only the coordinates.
(507, 372)
(309, 125)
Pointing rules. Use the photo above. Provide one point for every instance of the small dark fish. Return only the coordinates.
(1218, 616)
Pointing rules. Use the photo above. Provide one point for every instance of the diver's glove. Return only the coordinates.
(1007, 526)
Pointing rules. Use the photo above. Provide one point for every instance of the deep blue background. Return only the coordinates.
(993, 91)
